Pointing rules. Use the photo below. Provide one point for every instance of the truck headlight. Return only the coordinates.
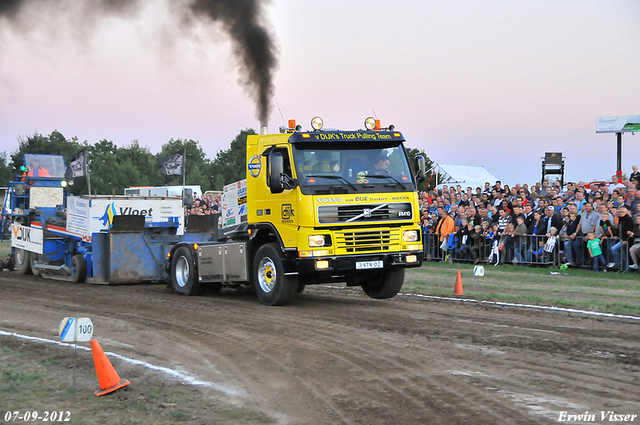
(410, 236)
(316, 241)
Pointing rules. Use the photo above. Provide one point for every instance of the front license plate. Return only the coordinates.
(368, 265)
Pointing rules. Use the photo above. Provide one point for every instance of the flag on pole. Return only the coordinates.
(78, 165)
(172, 165)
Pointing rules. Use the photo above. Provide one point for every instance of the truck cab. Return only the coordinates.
(323, 206)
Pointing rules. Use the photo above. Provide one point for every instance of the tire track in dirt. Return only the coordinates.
(142, 318)
(379, 363)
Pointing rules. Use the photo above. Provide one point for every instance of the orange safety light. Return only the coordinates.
(195, 246)
(292, 123)
(377, 127)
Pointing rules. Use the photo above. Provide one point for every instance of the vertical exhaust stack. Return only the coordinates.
(264, 130)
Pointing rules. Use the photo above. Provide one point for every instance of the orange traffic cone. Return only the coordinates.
(107, 375)
(458, 289)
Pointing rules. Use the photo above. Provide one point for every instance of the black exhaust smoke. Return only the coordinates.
(252, 44)
(243, 20)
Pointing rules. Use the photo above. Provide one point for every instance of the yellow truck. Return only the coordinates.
(317, 206)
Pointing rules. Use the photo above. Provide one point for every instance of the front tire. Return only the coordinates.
(384, 285)
(22, 261)
(269, 281)
(183, 272)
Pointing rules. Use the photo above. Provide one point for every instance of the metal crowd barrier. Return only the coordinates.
(527, 250)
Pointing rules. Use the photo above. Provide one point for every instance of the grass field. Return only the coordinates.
(37, 377)
(617, 293)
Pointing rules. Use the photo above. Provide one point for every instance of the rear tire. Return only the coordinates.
(269, 281)
(22, 261)
(183, 272)
(78, 269)
(384, 285)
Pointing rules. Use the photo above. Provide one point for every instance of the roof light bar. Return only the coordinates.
(291, 128)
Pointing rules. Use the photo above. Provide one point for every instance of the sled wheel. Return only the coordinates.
(78, 268)
(22, 261)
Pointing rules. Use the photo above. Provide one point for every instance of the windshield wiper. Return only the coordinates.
(380, 176)
(332, 177)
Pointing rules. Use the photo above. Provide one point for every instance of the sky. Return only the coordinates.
(494, 83)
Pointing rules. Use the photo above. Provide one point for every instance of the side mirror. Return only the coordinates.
(275, 171)
(421, 168)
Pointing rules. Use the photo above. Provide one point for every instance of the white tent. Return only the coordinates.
(464, 175)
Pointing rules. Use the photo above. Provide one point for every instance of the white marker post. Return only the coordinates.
(74, 329)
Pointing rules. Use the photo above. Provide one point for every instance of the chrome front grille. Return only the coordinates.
(370, 240)
(363, 213)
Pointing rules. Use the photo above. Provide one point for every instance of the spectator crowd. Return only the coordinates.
(596, 225)
(206, 204)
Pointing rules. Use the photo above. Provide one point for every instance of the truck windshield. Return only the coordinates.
(348, 168)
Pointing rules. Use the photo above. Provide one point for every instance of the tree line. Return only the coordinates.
(113, 168)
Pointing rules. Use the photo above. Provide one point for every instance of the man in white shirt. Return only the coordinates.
(615, 185)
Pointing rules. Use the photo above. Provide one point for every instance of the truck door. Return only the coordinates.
(284, 205)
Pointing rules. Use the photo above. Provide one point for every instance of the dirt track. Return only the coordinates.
(338, 357)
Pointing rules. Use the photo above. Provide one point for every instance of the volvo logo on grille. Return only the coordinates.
(367, 212)
(330, 200)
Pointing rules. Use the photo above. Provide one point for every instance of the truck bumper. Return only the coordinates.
(332, 266)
